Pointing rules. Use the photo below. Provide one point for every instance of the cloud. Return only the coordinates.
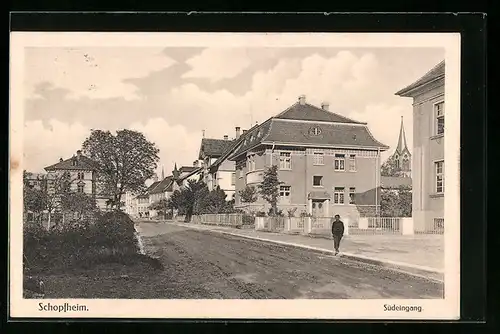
(176, 144)
(174, 111)
(45, 144)
(91, 72)
(218, 63)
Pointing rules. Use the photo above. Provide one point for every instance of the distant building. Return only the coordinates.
(164, 189)
(221, 174)
(328, 164)
(428, 148)
(82, 173)
(402, 154)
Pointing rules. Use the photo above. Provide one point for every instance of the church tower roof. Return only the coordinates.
(402, 146)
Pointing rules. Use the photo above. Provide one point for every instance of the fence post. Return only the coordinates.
(407, 226)
(308, 224)
(287, 224)
(363, 223)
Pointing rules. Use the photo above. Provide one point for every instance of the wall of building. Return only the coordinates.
(427, 149)
(300, 178)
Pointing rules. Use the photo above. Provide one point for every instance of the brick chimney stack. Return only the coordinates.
(226, 137)
(325, 106)
(238, 132)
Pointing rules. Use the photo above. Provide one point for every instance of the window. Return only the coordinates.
(285, 160)
(317, 181)
(315, 131)
(80, 188)
(285, 192)
(339, 163)
(251, 163)
(439, 114)
(318, 158)
(338, 195)
(352, 194)
(81, 176)
(352, 163)
(439, 167)
(233, 179)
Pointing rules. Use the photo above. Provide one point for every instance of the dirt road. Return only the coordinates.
(201, 264)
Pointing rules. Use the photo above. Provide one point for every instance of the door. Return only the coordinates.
(318, 208)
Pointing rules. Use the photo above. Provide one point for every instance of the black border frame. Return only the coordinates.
(472, 28)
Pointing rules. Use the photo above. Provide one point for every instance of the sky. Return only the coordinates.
(174, 94)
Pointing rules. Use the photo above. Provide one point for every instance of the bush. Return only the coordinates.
(110, 239)
(248, 219)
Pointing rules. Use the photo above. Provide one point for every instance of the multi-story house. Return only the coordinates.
(325, 161)
(222, 174)
(130, 201)
(142, 201)
(428, 148)
(82, 175)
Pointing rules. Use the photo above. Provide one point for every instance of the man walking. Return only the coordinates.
(337, 232)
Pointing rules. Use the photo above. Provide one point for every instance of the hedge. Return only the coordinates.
(110, 239)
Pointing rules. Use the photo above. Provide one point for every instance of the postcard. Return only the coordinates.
(234, 175)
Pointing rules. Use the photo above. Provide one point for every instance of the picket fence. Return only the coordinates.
(316, 225)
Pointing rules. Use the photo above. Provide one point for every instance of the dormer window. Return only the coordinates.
(315, 131)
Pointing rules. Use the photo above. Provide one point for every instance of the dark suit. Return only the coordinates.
(337, 232)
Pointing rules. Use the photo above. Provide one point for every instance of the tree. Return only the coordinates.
(391, 167)
(185, 199)
(123, 161)
(396, 202)
(269, 188)
(162, 206)
(249, 194)
(213, 201)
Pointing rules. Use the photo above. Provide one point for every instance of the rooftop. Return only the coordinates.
(435, 73)
(76, 162)
(214, 147)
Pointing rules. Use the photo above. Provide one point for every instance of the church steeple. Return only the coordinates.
(402, 154)
(175, 172)
(402, 139)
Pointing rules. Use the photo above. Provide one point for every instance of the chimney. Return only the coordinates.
(245, 131)
(79, 153)
(195, 163)
(60, 159)
(325, 106)
(302, 99)
(226, 137)
(238, 132)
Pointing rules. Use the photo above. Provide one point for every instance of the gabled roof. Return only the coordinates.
(152, 186)
(214, 147)
(284, 132)
(163, 186)
(435, 73)
(308, 112)
(82, 163)
(393, 182)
